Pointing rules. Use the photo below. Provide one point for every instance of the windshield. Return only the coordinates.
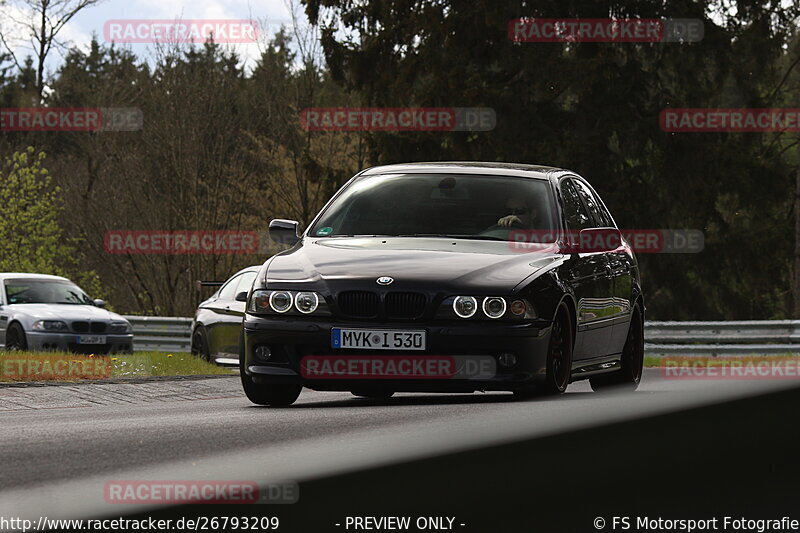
(38, 291)
(464, 206)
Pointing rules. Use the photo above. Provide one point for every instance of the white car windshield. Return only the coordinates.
(39, 291)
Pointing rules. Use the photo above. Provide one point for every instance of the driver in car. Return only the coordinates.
(522, 214)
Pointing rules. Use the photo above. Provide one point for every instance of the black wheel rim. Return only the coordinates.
(12, 343)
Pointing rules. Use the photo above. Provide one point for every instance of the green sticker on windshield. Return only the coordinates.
(327, 230)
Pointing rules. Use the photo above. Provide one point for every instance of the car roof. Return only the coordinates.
(26, 275)
(469, 167)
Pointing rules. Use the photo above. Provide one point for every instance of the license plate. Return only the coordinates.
(92, 339)
(378, 339)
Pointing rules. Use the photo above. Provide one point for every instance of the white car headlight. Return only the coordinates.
(50, 325)
(119, 327)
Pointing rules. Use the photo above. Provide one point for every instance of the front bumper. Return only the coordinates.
(68, 342)
(291, 339)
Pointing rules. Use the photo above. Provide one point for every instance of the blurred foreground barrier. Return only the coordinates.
(661, 338)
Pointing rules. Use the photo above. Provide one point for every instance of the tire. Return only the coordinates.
(15, 338)
(627, 378)
(373, 394)
(264, 394)
(200, 344)
(559, 357)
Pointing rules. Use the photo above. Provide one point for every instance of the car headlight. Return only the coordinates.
(287, 302)
(259, 302)
(280, 301)
(494, 307)
(119, 327)
(306, 302)
(465, 306)
(50, 325)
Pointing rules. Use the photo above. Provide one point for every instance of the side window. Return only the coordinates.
(574, 211)
(245, 282)
(600, 215)
(228, 291)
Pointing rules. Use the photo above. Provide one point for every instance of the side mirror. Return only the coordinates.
(241, 297)
(99, 303)
(592, 240)
(284, 231)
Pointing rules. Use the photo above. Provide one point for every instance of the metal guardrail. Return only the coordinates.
(161, 333)
(724, 338)
(765, 337)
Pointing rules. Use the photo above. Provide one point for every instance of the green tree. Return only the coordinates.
(31, 239)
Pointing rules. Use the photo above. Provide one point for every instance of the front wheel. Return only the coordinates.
(559, 357)
(276, 395)
(15, 338)
(630, 375)
(200, 344)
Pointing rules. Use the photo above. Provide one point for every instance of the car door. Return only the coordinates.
(589, 276)
(224, 335)
(621, 264)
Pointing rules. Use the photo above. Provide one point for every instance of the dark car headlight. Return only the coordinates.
(50, 325)
(483, 307)
(494, 307)
(465, 306)
(287, 302)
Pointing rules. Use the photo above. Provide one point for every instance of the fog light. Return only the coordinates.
(263, 353)
(507, 360)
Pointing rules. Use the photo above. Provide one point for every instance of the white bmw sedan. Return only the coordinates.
(41, 312)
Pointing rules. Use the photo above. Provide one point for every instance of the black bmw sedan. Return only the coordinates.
(447, 277)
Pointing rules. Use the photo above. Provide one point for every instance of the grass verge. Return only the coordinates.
(60, 366)
(654, 361)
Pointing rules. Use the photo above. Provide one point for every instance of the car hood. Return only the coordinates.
(414, 263)
(65, 312)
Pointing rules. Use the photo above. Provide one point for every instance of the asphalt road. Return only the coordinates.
(64, 455)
